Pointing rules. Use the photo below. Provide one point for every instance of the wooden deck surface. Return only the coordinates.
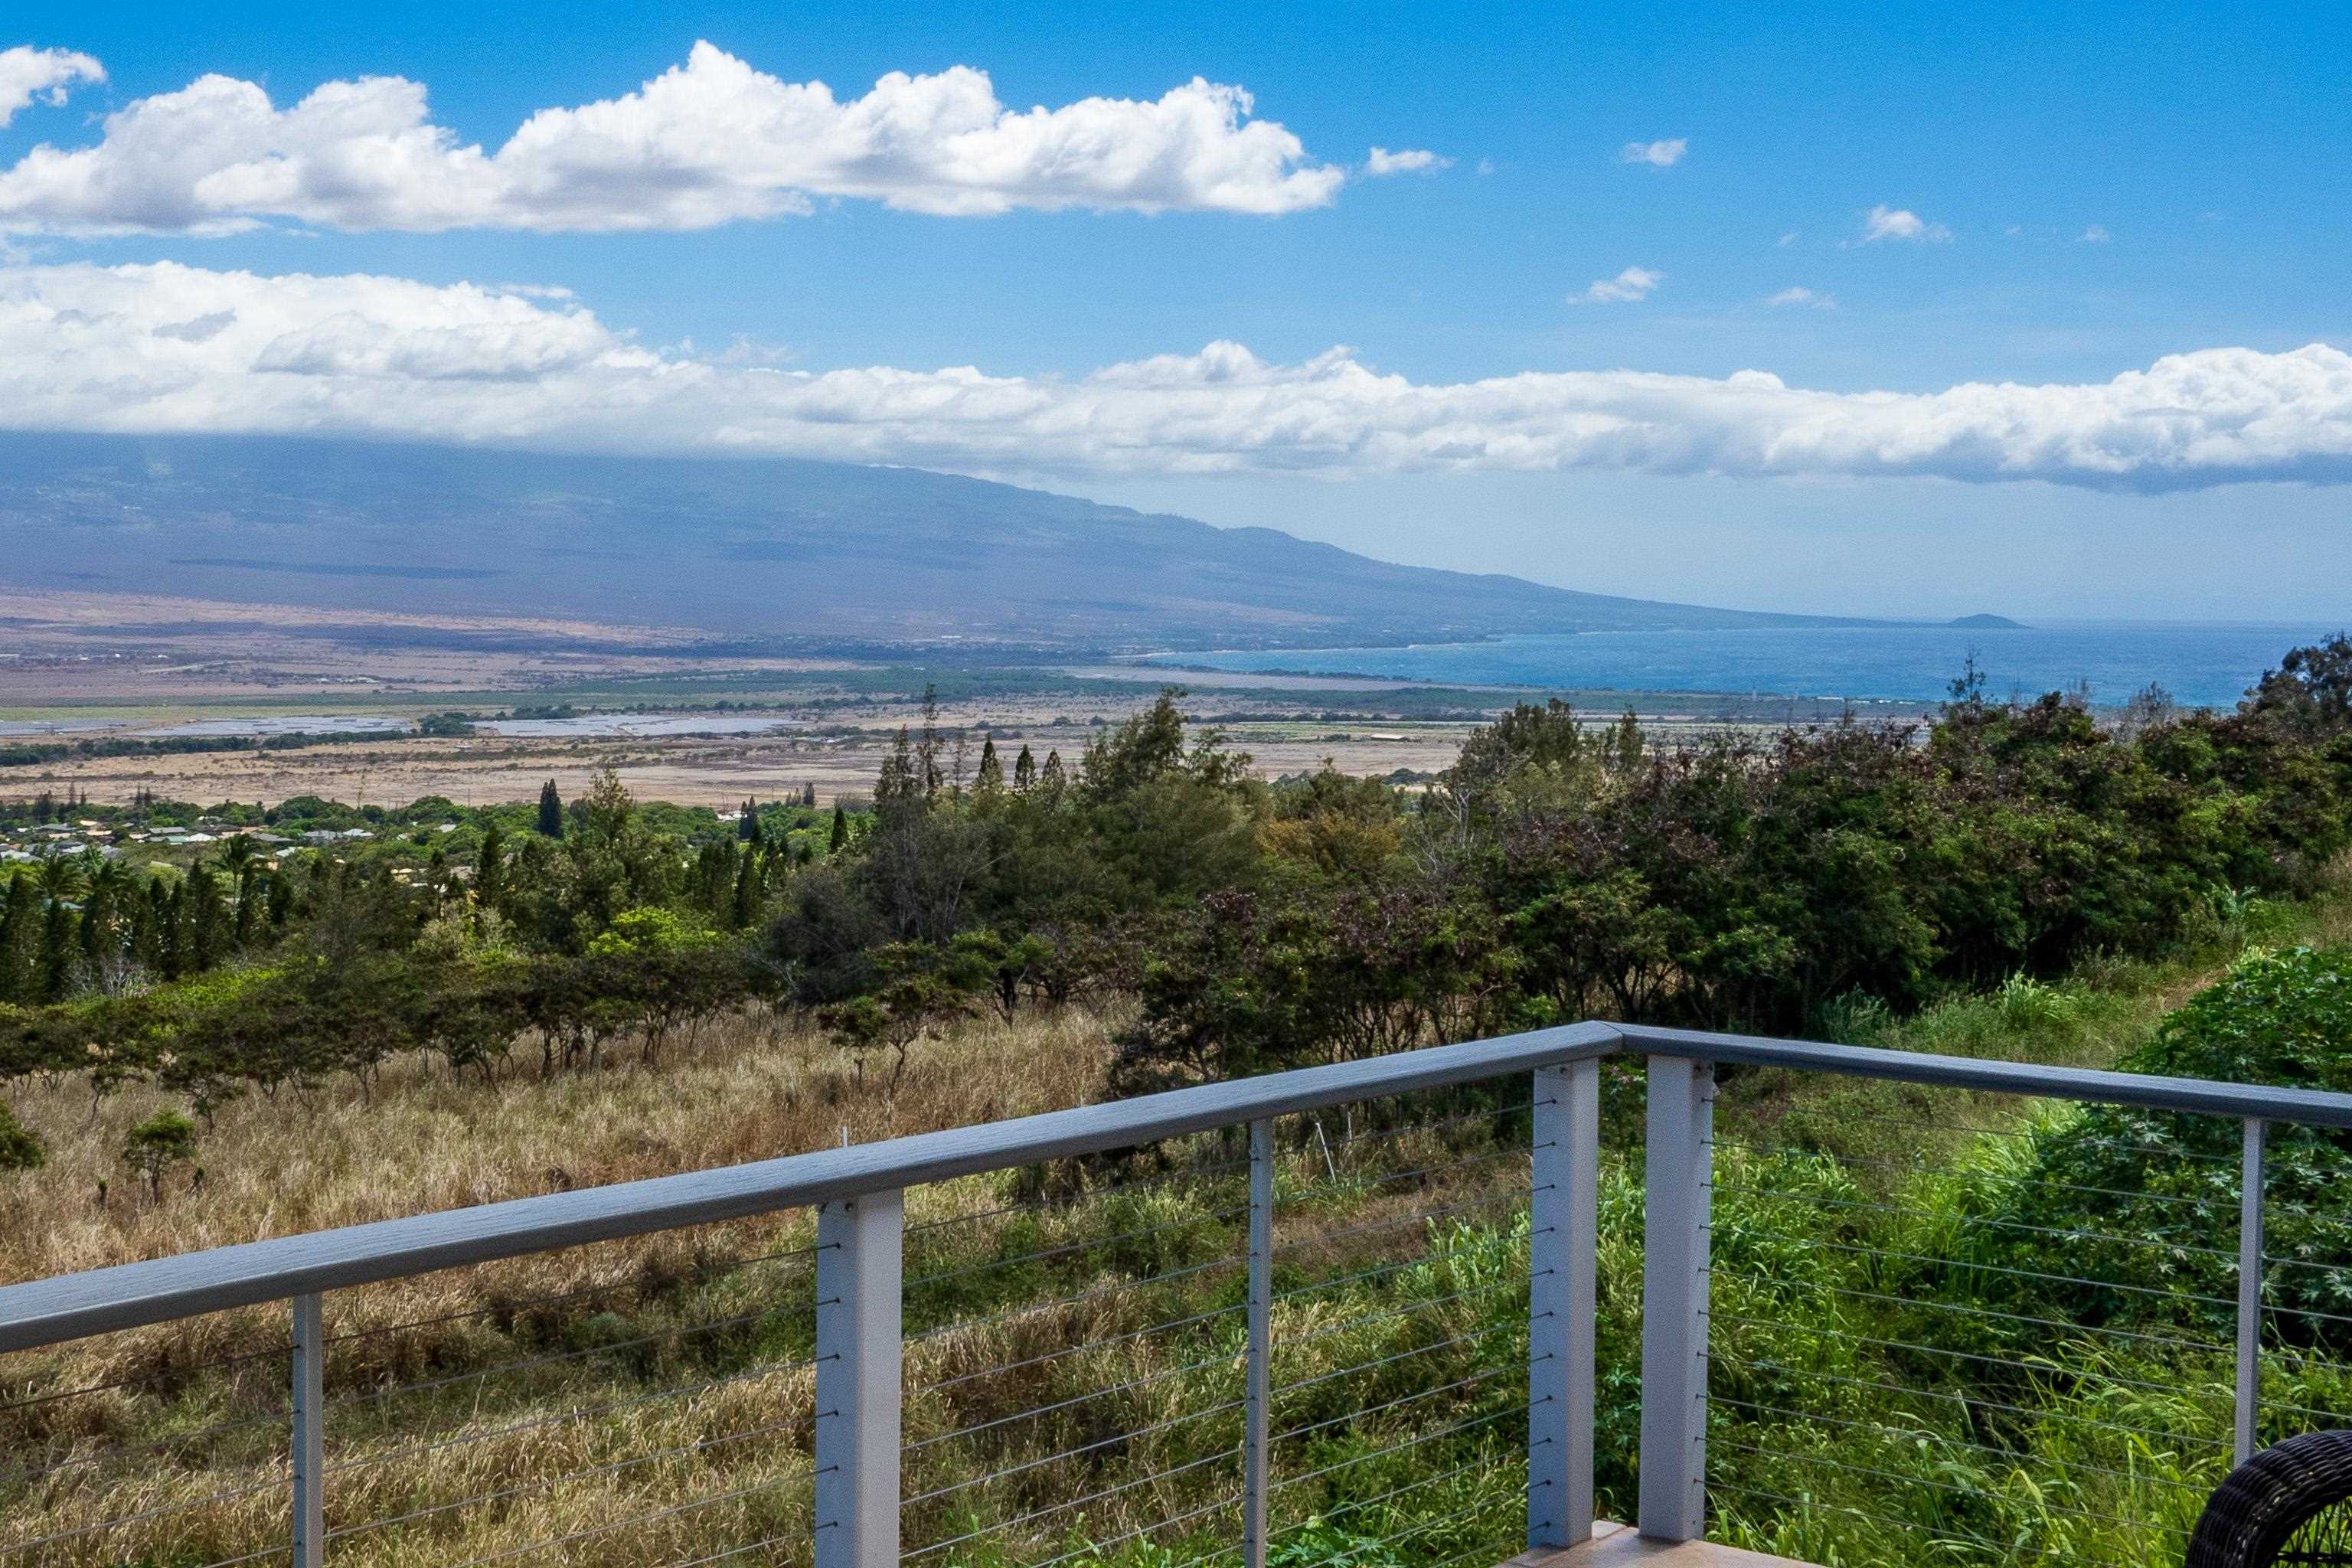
(1618, 1546)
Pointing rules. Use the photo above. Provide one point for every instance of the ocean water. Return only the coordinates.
(2201, 665)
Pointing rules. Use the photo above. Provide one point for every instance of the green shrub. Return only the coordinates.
(2148, 1194)
(152, 1148)
(19, 1149)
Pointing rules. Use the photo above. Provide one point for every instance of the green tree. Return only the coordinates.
(210, 926)
(750, 890)
(2310, 693)
(551, 811)
(490, 869)
(840, 834)
(19, 1149)
(1025, 771)
(20, 941)
(1626, 746)
(919, 990)
(60, 929)
(156, 1146)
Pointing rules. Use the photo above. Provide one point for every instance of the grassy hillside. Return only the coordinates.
(1075, 1330)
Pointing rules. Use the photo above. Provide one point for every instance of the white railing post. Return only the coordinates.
(1563, 1234)
(308, 1450)
(859, 1349)
(1675, 1218)
(2250, 1287)
(1257, 1386)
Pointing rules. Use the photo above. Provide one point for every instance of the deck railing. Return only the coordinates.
(1347, 1314)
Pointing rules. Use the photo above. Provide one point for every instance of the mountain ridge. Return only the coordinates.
(735, 547)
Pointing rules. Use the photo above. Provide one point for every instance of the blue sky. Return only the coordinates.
(2206, 154)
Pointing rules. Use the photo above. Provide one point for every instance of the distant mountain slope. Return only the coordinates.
(742, 549)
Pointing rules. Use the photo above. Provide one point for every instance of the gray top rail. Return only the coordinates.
(131, 1295)
(2210, 1096)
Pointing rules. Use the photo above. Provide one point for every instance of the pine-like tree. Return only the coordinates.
(840, 834)
(808, 795)
(899, 778)
(165, 905)
(1025, 771)
(490, 869)
(750, 889)
(20, 941)
(252, 906)
(209, 925)
(1626, 743)
(1053, 780)
(98, 921)
(60, 950)
(747, 825)
(928, 776)
(551, 811)
(989, 782)
(144, 943)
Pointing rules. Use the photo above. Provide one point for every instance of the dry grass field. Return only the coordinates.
(651, 1400)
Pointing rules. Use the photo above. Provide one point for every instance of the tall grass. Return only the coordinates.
(1074, 1335)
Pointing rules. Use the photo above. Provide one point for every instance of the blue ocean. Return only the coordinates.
(2199, 665)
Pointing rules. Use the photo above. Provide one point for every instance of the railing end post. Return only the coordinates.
(860, 1347)
(308, 1454)
(1678, 1176)
(1563, 1237)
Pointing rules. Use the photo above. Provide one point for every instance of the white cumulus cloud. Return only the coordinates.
(28, 74)
(2096, 235)
(1800, 295)
(1409, 160)
(1884, 222)
(1633, 283)
(710, 142)
(166, 348)
(1657, 154)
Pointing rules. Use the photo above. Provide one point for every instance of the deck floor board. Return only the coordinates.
(1620, 1546)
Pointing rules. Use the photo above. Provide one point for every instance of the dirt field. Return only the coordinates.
(690, 772)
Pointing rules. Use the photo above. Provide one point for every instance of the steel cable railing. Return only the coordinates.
(1407, 1364)
(1382, 1315)
(1956, 1353)
(1108, 1409)
(1146, 1472)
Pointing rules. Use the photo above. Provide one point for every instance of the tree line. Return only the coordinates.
(1560, 869)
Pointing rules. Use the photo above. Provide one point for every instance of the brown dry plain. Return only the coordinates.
(688, 771)
(137, 663)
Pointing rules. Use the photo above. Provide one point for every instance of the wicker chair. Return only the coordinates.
(2291, 1503)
